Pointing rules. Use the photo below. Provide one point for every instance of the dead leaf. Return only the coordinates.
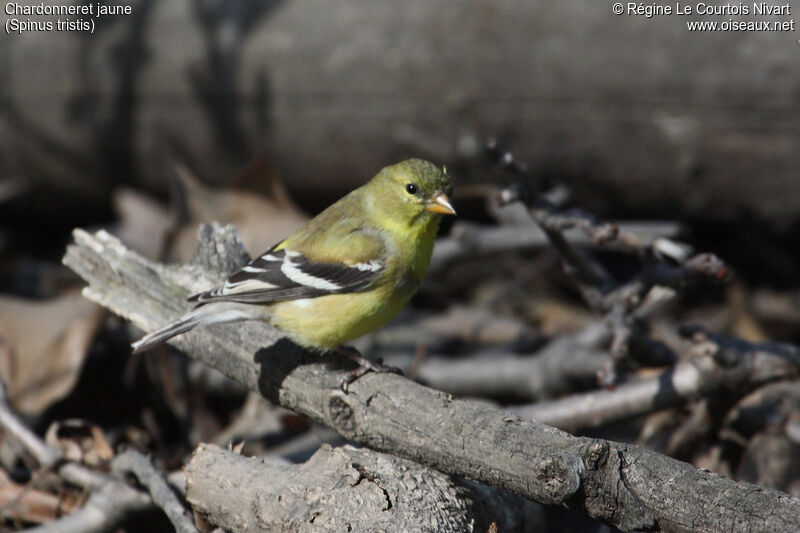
(143, 222)
(26, 504)
(42, 347)
(80, 441)
(262, 220)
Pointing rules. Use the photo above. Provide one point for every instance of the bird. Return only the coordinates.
(347, 272)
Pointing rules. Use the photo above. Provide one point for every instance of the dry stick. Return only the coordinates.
(21, 503)
(140, 465)
(595, 283)
(592, 409)
(715, 363)
(620, 484)
(593, 279)
(468, 239)
(555, 369)
(617, 301)
(688, 380)
(44, 454)
(107, 507)
(111, 501)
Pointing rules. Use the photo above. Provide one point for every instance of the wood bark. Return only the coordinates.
(749, 366)
(341, 489)
(620, 484)
(662, 120)
(555, 369)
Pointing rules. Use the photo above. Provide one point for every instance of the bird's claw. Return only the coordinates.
(364, 366)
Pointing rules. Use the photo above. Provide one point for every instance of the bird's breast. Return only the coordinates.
(332, 320)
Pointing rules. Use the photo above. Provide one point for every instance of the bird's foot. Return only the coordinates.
(364, 366)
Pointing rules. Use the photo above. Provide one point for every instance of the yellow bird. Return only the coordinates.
(347, 272)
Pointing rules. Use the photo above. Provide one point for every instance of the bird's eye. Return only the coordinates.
(411, 188)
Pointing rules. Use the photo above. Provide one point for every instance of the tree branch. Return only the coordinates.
(687, 381)
(620, 484)
(111, 500)
(559, 367)
(469, 239)
(106, 508)
(141, 467)
(341, 489)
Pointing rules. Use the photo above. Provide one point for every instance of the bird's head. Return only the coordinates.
(417, 189)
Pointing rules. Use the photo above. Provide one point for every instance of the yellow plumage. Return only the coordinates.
(348, 271)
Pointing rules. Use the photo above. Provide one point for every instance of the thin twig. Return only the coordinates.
(559, 367)
(140, 466)
(107, 507)
(664, 263)
(111, 500)
(44, 454)
(727, 364)
(470, 239)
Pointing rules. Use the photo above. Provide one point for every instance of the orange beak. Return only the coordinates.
(441, 205)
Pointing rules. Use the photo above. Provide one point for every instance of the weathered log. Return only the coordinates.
(663, 120)
(341, 489)
(620, 484)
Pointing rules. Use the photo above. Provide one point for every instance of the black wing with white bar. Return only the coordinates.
(280, 275)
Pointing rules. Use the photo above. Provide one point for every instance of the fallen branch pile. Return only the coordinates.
(623, 485)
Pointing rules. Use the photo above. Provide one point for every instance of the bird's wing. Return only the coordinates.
(285, 274)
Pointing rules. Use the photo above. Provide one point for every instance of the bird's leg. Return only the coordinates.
(364, 366)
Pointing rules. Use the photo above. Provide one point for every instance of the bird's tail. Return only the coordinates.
(200, 317)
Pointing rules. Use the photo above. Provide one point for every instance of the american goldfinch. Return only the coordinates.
(347, 272)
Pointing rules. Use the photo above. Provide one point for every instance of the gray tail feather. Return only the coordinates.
(202, 316)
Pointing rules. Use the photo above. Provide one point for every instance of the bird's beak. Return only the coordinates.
(441, 205)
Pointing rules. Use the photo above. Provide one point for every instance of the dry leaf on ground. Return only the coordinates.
(42, 347)
(262, 220)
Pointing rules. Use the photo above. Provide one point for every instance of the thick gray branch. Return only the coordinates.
(339, 489)
(688, 380)
(623, 485)
(560, 367)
